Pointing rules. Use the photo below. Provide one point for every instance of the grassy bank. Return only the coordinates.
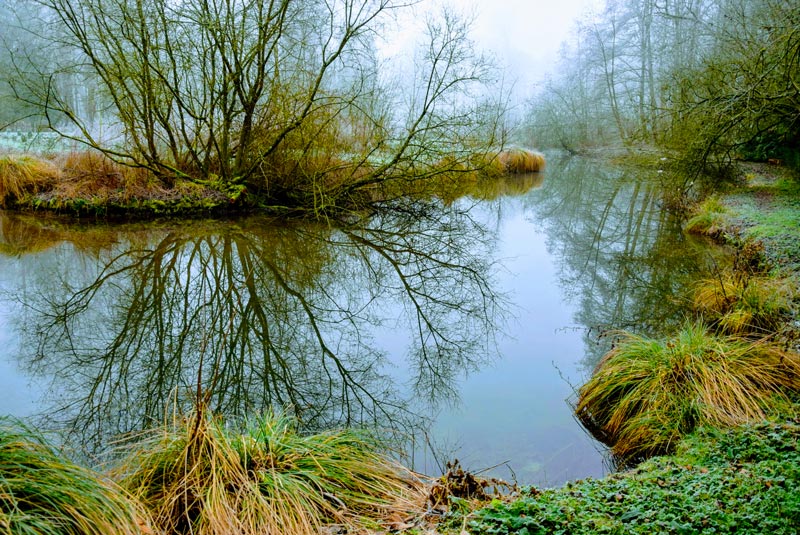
(716, 402)
(764, 208)
(91, 184)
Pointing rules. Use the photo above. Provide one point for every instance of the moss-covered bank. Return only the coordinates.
(744, 481)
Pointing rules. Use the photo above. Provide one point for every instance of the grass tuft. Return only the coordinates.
(516, 160)
(20, 175)
(708, 219)
(739, 304)
(646, 394)
(196, 476)
(42, 493)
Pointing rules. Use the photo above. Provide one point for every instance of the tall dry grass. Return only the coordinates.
(646, 394)
(516, 160)
(44, 494)
(196, 476)
(21, 175)
(91, 174)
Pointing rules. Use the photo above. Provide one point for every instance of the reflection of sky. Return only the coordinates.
(17, 396)
(516, 409)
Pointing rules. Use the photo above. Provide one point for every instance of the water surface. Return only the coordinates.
(459, 329)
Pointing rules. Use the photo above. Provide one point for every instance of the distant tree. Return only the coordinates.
(743, 99)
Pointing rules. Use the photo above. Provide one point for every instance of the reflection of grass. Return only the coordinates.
(646, 394)
(198, 477)
(41, 493)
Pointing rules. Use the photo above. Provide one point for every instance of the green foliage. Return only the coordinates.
(743, 481)
(646, 394)
(43, 493)
(199, 477)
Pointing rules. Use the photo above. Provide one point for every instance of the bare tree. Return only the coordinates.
(283, 96)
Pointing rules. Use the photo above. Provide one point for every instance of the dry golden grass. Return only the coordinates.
(198, 477)
(516, 160)
(90, 174)
(20, 175)
(738, 303)
(646, 394)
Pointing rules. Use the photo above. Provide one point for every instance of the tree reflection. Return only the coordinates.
(623, 259)
(258, 314)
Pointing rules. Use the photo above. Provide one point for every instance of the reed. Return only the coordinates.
(42, 493)
(646, 394)
(199, 477)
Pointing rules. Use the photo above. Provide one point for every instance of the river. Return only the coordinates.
(457, 329)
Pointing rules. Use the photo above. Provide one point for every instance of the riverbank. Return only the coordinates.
(744, 479)
(91, 185)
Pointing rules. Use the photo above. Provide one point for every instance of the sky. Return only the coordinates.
(525, 35)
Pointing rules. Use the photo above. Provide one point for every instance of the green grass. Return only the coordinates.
(743, 481)
(199, 477)
(709, 218)
(775, 221)
(42, 493)
(646, 394)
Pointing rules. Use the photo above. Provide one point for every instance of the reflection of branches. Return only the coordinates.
(265, 316)
(621, 254)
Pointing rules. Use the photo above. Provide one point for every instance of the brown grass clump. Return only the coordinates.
(517, 160)
(646, 394)
(739, 304)
(92, 175)
(196, 476)
(21, 175)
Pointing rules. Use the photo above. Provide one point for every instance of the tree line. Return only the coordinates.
(712, 80)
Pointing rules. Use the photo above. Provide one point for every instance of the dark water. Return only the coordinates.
(459, 330)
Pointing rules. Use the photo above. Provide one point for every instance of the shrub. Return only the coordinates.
(646, 394)
(199, 477)
(42, 493)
